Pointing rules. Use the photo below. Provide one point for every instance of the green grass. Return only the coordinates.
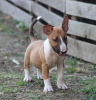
(90, 91)
(53, 76)
(21, 83)
(71, 61)
(86, 86)
(89, 88)
(37, 36)
(10, 75)
(6, 28)
(16, 21)
(22, 26)
(9, 84)
(93, 67)
(70, 69)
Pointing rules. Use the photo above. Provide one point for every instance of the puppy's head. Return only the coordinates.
(58, 37)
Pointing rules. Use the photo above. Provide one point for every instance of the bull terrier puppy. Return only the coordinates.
(46, 54)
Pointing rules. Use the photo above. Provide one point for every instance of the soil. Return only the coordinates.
(13, 47)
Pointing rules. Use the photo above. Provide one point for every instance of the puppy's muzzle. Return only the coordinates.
(65, 51)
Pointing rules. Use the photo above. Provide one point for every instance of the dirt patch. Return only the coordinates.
(79, 76)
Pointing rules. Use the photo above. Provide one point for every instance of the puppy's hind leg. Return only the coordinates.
(27, 70)
(39, 74)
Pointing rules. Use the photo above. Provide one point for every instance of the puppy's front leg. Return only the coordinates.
(47, 83)
(60, 82)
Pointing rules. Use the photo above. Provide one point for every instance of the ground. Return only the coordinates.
(79, 76)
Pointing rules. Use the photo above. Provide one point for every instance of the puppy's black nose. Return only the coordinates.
(64, 52)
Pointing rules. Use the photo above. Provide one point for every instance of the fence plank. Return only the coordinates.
(47, 15)
(57, 4)
(23, 3)
(39, 30)
(82, 50)
(82, 29)
(15, 12)
(81, 9)
(38, 10)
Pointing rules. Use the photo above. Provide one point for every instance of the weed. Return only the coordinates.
(88, 87)
(18, 55)
(70, 69)
(90, 92)
(93, 67)
(21, 83)
(10, 75)
(22, 26)
(37, 36)
(5, 54)
(7, 29)
(16, 21)
(72, 61)
(53, 76)
(34, 77)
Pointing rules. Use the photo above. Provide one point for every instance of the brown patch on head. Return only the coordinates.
(48, 29)
(54, 37)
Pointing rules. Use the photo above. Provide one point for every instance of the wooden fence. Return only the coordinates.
(82, 23)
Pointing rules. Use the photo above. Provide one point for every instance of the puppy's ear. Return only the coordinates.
(48, 29)
(65, 23)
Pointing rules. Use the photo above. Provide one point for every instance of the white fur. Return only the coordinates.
(39, 74)
(48, 55)
(62, 45)
(39, 17)
(47, 86)
(47, 48)
(60, 82)
(27, 75)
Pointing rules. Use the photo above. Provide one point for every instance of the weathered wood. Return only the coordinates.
(15, 12)
(81, 9)
(39, 30)
(23, 3)
(74, 17)
(47, 15)
(38, 10)
(82, 29)
(82, 50)
(57, 4)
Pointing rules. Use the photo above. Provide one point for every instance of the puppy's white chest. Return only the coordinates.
(50, 58)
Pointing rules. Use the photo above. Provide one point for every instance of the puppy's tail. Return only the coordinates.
(31, 28)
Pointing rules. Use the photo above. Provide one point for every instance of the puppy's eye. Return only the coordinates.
(65, 38)
(56, 39)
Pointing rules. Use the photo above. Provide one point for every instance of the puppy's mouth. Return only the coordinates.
(59, 53)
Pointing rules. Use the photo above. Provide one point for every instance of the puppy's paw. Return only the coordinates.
(28, 79)
(48, 86)
(62, 86)
(48, 89)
